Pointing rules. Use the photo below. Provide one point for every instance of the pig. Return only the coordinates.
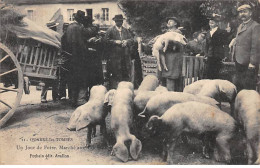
(93, 113)
(124, 84)
(194, 118)
(162, 42)
(143, 97)
(161, 89)
(247, 113)
(195, 87)
(149, 83)
(158, 104)
(220, 90)
(109, 97)
(121, 123)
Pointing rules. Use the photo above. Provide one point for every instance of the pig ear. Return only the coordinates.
(121, 152)
(82, 123)
(73, 120)
(135, 148)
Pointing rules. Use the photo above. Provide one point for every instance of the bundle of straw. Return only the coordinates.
(9, 17)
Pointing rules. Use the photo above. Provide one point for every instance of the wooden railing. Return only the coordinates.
(192, 69)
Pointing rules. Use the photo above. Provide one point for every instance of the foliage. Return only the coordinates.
(148, 17)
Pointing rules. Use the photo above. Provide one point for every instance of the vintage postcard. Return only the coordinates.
(127, 82)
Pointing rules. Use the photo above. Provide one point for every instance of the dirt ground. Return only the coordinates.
(37, 134)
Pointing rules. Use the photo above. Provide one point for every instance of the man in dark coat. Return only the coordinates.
(95, 47)
(79, 73)
(119, 40)
(214, 48)
(246, 50)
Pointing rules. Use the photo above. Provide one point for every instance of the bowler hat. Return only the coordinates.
(79, 15)
(173, 18)
(118, 17)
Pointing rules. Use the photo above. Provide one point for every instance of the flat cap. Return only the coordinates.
(243, 7)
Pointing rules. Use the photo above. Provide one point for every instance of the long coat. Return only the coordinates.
(75, 43)
(247, 44)
(119, 58)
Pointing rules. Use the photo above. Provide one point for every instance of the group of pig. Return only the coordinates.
(168, 116)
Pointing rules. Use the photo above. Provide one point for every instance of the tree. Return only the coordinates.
(148, 17)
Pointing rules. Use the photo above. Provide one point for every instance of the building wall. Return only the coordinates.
(44, 12)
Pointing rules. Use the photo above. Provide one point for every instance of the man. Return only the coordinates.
(196, 46)
(246, 50)
(50, 83)
(75, 39)
(119, 40)
(95, 48)
(173, 59)
(214, 47)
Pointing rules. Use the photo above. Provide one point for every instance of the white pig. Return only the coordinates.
(195, 87)
(247, 113)
(149, 83)
(220, 90)
(195, 118)
(93, 113)
(158, 104)
(143, 97)
(121, 122)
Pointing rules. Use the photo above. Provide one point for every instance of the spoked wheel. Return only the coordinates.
(11, 84)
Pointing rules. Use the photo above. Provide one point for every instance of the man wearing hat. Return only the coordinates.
(173, 59)
(119, 40)
(246, 50)
(55, 94)
(74, 43)
(216, 38)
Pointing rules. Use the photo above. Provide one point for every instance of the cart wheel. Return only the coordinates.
(10, 96)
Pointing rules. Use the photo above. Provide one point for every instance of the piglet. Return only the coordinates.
(247, 113)
(162, 42)
(121, 123)
(195, 118)
(93, 113)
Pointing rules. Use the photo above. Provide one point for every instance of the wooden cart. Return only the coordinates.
(29, 60)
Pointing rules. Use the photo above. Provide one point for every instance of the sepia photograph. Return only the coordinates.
(129, 82)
